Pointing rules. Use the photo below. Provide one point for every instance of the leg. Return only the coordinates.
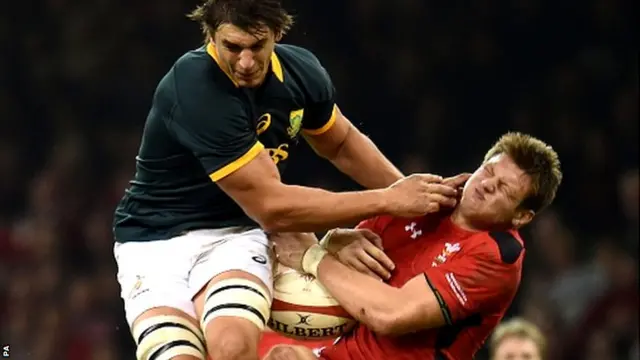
(235, 307)
(233, 303)
(165, 333)
(290, 352)
(158, 307)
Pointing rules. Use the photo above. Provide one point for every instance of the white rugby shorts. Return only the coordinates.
(171, 272)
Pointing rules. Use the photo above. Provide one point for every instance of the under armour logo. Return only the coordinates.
(304, 319)
(412, 228)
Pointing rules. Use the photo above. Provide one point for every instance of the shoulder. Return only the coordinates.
(199, 84)
(191, 65)
(504, 247)
(196, 72)
(298, 56)
(305, 67)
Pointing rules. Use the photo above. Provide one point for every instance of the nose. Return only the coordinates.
(489, 185)
(246, 61)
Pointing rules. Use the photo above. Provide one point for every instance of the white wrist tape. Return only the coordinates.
(311, 259)
(324, 242)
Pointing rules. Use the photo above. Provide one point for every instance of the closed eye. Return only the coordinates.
(508, 190)
(488, 170)
(233, 47)
(258, 46)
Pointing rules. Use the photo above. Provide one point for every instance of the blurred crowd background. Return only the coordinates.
(433, 83)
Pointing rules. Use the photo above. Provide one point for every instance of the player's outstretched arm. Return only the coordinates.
(220, 137)
(257, 188)
(353, 153)
(279, 207)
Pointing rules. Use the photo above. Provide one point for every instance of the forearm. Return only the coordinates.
(360, 159)
(298, 208)
(365, 298)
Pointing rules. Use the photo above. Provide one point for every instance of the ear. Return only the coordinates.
(522, 218)
(278, 36)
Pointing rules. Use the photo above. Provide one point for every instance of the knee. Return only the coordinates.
(231, 344)
(282, 352)
(234, 315)
(168, 337)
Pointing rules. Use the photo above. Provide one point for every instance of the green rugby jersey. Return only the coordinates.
(202, 127)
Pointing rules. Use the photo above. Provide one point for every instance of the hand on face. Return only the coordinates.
(419, 194)
(457, 182)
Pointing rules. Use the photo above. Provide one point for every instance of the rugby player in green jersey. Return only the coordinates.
(194, 262)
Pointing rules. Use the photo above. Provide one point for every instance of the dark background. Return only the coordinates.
(433, 83)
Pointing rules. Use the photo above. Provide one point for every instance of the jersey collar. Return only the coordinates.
(276, 66)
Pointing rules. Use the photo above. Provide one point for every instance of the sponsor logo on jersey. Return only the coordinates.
(280, 153)
(264, 121)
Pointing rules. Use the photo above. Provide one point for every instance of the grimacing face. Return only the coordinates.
(517, 348)
(245, 56)
(492, 196)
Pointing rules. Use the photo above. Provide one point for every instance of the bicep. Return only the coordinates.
(326, 141)
(251, 185)
(420, 308)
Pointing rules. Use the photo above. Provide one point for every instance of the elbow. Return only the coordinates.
(384, 322)
(268, 220)
(271, 224)
(270, 216)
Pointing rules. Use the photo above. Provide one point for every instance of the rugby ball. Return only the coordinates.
(303, 309)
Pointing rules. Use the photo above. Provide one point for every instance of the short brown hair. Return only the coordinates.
(248, 15)
(519, 328)
(536, 159)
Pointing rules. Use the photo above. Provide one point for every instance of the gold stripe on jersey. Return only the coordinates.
(326, 126)
(238, 163)
(276, 67)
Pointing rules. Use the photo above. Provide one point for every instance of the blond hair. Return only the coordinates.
(519, 328)
(536, 159)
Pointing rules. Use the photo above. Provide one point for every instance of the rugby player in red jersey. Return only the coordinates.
(455, 274)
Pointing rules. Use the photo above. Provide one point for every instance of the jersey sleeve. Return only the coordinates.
(474, 283)
(215, 127)
(320, 109)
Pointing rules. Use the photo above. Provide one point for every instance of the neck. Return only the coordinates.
(461, 221)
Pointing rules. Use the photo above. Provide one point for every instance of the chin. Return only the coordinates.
(249, 84)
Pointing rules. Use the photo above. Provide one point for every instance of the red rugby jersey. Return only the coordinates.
(475, 276)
